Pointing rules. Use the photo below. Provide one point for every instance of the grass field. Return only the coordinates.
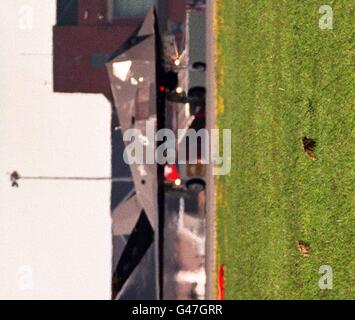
(280, 78)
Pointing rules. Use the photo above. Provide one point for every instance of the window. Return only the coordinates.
(131, 8)
(99, 59)
(67, 12)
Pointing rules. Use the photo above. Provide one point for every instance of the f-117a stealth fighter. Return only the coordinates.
(133, 77)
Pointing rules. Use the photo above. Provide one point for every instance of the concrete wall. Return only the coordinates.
(55, 237)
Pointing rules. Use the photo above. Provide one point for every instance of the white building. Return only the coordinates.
(55, 236)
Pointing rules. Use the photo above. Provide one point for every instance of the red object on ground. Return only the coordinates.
(221, 282)
(171, 173)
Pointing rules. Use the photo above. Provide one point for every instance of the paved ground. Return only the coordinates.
(193, 204)
(185, 223)
(202, 206)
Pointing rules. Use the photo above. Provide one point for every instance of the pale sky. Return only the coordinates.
(55, 237)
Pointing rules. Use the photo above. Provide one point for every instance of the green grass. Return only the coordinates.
(281, 78)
